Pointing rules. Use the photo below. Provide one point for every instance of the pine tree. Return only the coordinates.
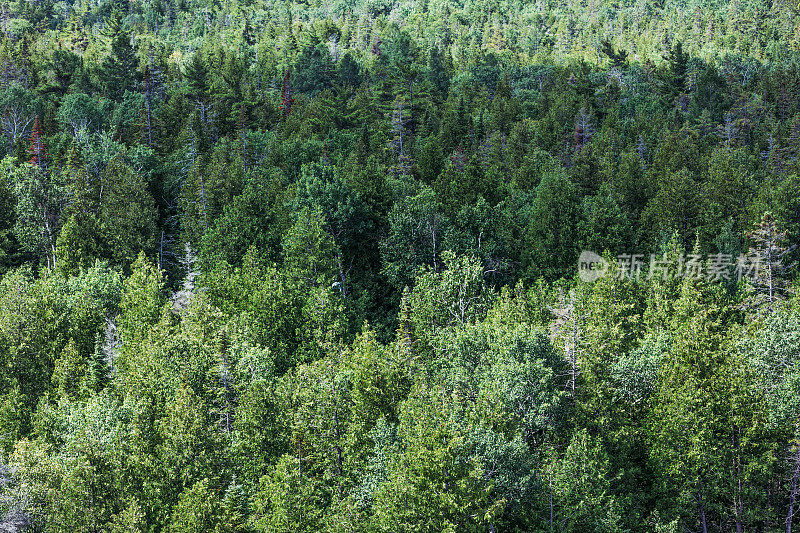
(584, 130)
(37, 148)
(97, 369)
(197, 84)
(437, 73)
(675, 79)
(118, 71)
(153, 90)
(768, 260)
(287, 100)
(399, 120)
(618, 57)
(773, 157)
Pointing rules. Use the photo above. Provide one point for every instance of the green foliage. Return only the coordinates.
(118, 72)
(550, 240)
(580, 486)
(435, 455)
(456, 295)
(311, 266)
(258, 217)
(38, 208)
(127, 215)
(414, 238)
(79, 112)
(142, 300)
(309, 251)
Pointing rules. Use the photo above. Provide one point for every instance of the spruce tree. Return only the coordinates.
(768, 266)
(118, 71)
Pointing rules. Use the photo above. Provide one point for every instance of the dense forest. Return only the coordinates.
(313, 266)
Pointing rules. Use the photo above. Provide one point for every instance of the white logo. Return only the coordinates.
(591, 266)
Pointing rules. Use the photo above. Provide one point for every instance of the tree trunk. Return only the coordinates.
(737, 468)
(793, 490)
(551, 502)
(702, 512)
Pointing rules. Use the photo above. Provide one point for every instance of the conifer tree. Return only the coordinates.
(37, 148)
(769, 260)
(287, 99)
(198, 84)
(118, 72)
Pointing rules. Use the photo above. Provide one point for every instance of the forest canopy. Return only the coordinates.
(399, 266)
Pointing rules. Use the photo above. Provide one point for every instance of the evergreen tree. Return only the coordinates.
(769, 259)
(118, 71)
